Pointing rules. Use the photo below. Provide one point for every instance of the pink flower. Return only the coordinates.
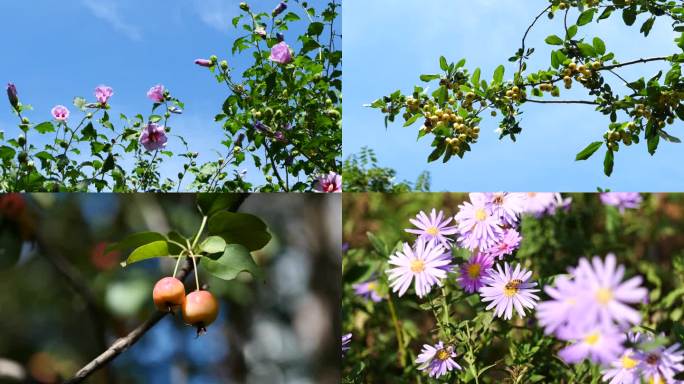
(153, 137)
(280, 53)
(60, 113)
(103, 93)
(156, 93)
(329, 183)
(204, 63)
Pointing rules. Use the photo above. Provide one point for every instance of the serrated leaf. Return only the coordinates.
(589, 150)
(235, 259)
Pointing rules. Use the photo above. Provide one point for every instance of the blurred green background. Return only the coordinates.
(65, 300)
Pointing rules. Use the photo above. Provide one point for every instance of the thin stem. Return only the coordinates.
(194, 265)
(527, 32)
(199, 232)
(175, 269)
(589, 102)
(397, 331)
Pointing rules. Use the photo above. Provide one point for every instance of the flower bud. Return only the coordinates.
(21, 140)
(213, 59)
(279, 9)
(280, 37)
(224, 65)
(12, 95)
(244, 6)
(204, 63)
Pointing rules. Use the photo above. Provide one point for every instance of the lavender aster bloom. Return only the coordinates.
(346, 340)
(473, 271)
(601, 344)
(509, 242)
(437, 359)
(604, 295)
(508, 289)
(428, 263)
(621, 200)
(368, 290)
(477, 227)
(624, 370)
(537, 203)
(661, 364)
(433, 228)
(555, 313)
(506, 206)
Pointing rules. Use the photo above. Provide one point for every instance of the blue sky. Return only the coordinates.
(56, 50)
(388, 44)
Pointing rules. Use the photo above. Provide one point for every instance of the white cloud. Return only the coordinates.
(216, 13)
(110, 12)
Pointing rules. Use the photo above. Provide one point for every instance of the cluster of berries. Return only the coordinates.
(198, 308)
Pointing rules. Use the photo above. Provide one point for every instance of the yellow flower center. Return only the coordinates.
(417, 266)
(592, 338)
(656, 380)
(443, 354)
(628, 362)
(474, 270)
(604, 296)
(373, 286)
(512, 287)
(432, 231)
(480, 215)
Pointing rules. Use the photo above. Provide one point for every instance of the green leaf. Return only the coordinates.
(45, 127)
(443, 63)
(475, 79)
(586, 17)
(554, 40)
(586, 49)
(148, 251)
(213, 244)
(135, 240)
(652, 143)
(210, 203)
(608, 163)
(427, 78)
(599, 46)
(235, 259)
(589, 150)
(572, 31)
(155, 118)
(412, 120)
(629, 16)
(315, 28)
(499, 74)
(239, 228)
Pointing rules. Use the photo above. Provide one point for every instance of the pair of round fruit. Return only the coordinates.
(199, 308)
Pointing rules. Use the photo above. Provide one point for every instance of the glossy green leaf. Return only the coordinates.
(239, 228)
(589, 150)
(235, 259)
(213, 244)
(148, 251)
(135, 240)
(554, 40)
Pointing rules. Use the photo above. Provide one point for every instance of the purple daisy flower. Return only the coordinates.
(604, 295)
(538, 203)
(508, 289)
(473, 271)
(506, 206)
(346, 340)
(437, 359)
(368, 290)
(477, 227)
(624, 370)
(555, 313)
(600, 344)
(433, 228)
(509, 242)
(428, 263)
(661, 364)
(621, 200)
